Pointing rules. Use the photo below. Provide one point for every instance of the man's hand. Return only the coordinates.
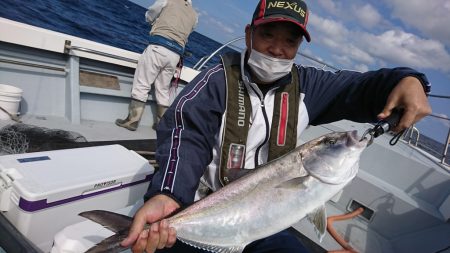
(159, 235)
(410, 96)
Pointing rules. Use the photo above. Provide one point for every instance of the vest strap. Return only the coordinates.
(283, 133)
(237, 121)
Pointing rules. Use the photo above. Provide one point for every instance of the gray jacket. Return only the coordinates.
(172, 19)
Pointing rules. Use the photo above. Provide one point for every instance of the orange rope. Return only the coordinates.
(336, 236)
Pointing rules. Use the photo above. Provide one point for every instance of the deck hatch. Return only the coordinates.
(367, 214)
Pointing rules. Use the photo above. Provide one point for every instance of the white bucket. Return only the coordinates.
(10, 97)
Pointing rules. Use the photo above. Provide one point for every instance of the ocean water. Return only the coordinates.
(121, 23)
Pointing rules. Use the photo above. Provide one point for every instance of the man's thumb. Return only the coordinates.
(387, 110)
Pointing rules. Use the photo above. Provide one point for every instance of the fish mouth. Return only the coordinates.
(354, 140)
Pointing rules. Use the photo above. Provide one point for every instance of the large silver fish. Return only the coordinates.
(262, 203)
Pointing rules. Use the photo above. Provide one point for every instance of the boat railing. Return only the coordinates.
(205, 59)
(411, 130)
(33, 65)
(201, 63)
(68, 47)
(412, 137)
(446, 142)
(444, 154)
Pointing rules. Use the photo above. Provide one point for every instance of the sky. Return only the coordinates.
(360, 35)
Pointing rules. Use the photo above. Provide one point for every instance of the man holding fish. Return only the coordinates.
(251, 109)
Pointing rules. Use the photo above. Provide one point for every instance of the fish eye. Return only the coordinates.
(330, 141)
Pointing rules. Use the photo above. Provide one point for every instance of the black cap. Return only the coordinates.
(294, 11)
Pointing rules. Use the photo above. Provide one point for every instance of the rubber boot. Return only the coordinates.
(160, 110)
(135, 111)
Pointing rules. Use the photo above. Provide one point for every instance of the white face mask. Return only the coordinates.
(265, 68)
(268, 69)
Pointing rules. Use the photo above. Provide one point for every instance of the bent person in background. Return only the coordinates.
(172, 21)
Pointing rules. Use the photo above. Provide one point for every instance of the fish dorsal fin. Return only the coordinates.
(319, 218)
(294, 183)
(214, 248)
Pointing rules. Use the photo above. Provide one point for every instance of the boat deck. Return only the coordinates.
(91, 130)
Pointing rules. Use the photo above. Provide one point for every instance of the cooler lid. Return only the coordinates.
(58, 175)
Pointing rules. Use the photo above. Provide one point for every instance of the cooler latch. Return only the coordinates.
(5, 189)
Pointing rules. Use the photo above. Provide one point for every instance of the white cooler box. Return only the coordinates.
(79, 237)
(43, 192)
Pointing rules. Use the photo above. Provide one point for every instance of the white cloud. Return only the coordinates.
(350, 63)
(317, 62)
(430, 17)
(328, 28)
(392, 47)
(367, 15)
(221, 26)
(343, 60)
(330, 6)
(358, 53)
(407, 49)
(338, 38)
(361, 67)
(349, 11)
(210, 23)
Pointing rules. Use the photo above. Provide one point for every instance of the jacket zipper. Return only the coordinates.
(267, 132)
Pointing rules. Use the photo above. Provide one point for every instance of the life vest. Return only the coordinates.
(283, 133)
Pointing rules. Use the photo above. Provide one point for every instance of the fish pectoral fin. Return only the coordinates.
(294, 183)
(319, 218)
(214, 248)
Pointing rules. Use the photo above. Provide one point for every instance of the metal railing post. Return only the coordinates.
(68, 46)
(73, 105)
(446, 148)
